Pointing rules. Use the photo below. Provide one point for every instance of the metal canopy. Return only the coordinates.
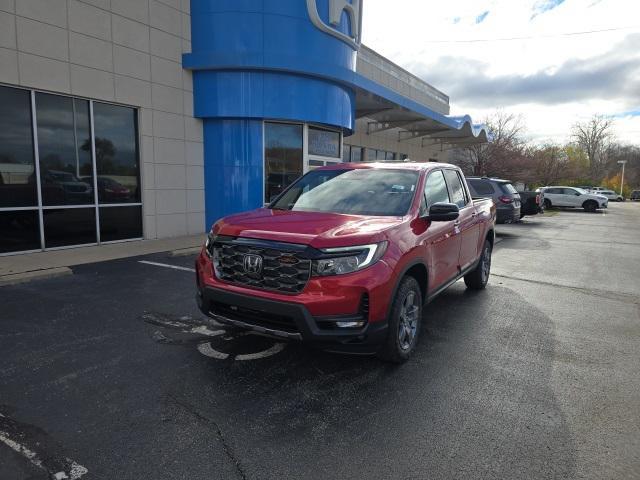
(386, 112)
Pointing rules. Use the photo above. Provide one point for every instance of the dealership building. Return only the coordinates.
(142, 119)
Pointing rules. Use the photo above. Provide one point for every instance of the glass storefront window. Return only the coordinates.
(120, 223)
(324, 143)
(66, 172)
(346, 153)
(64, 147)
(69, 226)
(282, 156)
(356, 154)
(20, 230)
(117, 156)
(18, 186)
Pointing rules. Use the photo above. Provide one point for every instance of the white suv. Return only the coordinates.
(573, 197)
(611, 195)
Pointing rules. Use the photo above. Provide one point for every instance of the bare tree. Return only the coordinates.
(595, 137)
(551, 162)
(505, 147)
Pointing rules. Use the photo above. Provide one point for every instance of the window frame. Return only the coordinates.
(309, 162)
(424, 205)
(465, 193)
(41, 208)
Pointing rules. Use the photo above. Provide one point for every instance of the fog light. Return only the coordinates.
(349, 324)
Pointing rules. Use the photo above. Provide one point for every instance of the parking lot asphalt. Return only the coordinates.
(113, 373)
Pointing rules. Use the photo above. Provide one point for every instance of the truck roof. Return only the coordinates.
(389, 165)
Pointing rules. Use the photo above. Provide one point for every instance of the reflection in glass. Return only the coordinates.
(64, 147)
(20, 231)
(356, 154)
(324, 143)
(283, 157)
(17, 171)
(120, 223)
(346, 153)
(116, 153)
(70, 226)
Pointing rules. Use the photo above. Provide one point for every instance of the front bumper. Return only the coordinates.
(290, 321)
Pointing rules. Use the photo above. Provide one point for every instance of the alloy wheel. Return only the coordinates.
(409, 318)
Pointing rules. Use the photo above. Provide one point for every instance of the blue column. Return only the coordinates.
(256, 60)
(233, 166)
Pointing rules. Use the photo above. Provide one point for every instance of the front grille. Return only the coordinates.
(282, 271)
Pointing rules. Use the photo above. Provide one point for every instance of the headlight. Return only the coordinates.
(348, 259)
(208, 244)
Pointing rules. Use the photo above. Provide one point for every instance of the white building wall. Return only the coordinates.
(128, 52)
(389, 140)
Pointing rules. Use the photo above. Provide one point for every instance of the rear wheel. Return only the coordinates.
(590, 206)
(404, 322)
(477, 279)
(547, 203)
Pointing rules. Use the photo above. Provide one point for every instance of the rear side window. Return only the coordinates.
(508, 188)
(456, 190)
(435, 189)
(553, 190)
(481, 187)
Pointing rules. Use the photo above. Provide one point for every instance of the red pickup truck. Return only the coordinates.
(348, 255)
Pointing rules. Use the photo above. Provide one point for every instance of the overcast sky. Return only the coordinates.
(552, 78)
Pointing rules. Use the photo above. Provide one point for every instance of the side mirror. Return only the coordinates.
(443, 212)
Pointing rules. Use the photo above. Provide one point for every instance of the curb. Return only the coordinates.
(183, 252)
(24, 277)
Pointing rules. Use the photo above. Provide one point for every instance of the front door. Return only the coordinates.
(440, 238)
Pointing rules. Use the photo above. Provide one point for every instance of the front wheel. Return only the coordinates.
(477, 278)
(590, 206)
(404, 323)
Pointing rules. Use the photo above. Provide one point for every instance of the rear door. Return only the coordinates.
(467, 224)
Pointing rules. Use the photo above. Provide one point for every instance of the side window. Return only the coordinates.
(435, 189)
(570, 191)
(456, 190)
(481, 187)
(553, 191)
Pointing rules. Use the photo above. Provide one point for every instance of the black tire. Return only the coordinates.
(395, 349)
(619, 199)
(590, 206)
(477, 278)
(547, 203)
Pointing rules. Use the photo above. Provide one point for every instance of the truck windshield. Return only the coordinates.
(354, 192)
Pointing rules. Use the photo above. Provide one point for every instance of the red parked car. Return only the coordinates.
(348, 255)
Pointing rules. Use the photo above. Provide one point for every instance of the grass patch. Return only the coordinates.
(551, 213)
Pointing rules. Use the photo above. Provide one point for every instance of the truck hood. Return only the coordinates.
(318, 229)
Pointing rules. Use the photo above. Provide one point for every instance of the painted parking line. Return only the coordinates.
(166, 265)
(57, 468)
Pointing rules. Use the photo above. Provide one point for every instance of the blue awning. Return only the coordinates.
(388, 109)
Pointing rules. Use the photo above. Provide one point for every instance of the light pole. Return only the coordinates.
(622, 162)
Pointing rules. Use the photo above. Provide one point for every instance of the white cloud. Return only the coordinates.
(420, 36)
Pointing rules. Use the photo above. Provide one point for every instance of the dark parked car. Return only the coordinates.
(635, 195)
(503, 193)
(531, 203)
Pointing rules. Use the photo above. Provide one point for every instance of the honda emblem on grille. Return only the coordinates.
(252, 264)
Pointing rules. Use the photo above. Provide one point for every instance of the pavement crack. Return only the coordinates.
(608, 294)
(228, 450)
